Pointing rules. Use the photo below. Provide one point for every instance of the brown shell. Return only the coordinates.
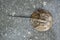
(41, 20)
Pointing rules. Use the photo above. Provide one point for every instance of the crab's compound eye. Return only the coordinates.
(41, 20)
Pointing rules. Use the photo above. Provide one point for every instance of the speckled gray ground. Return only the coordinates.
(16, 28)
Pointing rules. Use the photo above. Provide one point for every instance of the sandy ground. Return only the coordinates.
(16, 28)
